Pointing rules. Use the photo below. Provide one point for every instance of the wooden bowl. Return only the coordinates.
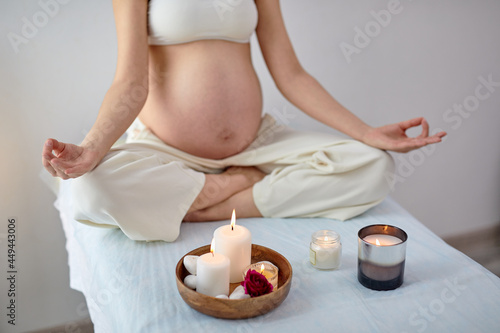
(238, 308)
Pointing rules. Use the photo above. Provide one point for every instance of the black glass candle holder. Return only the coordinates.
(381, 256)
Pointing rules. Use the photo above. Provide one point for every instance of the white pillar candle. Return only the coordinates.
(212, 274)
(382, 239)
(235, 242)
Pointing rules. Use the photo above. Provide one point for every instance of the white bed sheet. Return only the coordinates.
(130, 286)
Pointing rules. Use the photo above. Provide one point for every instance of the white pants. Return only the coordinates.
(145, 187)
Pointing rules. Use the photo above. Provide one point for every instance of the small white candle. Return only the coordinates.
(382, 239)
(235, 242)
(213, 273)
(268, 269)
(325, 250)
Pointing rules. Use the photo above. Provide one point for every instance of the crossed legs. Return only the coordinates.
(224, 192)
(337, 181)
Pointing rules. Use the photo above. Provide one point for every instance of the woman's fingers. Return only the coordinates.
(59, 164)
(393, 137)
(58, 147)
(425, 129)
(46, 164)
(47, 156)
(66, 160)
(76, 171)
(433, 138)
(50, 147)
(47, 150)
(410, 123)
(421, 142)
(440, 134)
(51, 162)
(53, 170)
(415, 143)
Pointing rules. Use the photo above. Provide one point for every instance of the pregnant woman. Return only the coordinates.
(186, 93)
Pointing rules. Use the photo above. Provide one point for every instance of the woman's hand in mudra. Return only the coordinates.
(67, 160)
(393, 137)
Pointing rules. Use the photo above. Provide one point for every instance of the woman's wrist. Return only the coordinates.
(360, 133)
(98, 147)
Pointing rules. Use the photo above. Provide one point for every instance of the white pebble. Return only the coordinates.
(239, 289)
(239, 296)
(190, 281)
(222, 296)
(190, 263)
(239, 293)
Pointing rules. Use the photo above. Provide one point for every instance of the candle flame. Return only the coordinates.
(262, 268)
(233, 219)
(326, 239)
(212, 246)
(377, 242)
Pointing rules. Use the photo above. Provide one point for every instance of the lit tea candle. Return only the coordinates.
(381, 256)
(235, 242)
(212, 273)
(263, 271)
(266, 268)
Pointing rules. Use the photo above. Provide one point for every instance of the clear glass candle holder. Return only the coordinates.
(266, 268)
(325, 250)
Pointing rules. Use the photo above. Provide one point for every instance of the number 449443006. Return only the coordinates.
(11, 243)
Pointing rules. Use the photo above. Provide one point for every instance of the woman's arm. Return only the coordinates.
(129, 89)
(122, 103)
(302, 90)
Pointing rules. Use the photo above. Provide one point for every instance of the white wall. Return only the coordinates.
(427, 59)
(52, 86)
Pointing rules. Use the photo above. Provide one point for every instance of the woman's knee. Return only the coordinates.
(89, 193)
(385, 160)
(105, 184)
(382, 165)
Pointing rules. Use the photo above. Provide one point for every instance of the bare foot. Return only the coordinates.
(220, 187)
(241, 201)
(252, 174)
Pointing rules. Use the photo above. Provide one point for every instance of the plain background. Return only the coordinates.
(427, 59)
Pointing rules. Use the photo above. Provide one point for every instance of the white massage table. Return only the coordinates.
(130, 286)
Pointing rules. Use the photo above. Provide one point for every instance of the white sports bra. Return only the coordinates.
(182, 21)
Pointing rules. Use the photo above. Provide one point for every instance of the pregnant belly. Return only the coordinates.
(213, 116)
